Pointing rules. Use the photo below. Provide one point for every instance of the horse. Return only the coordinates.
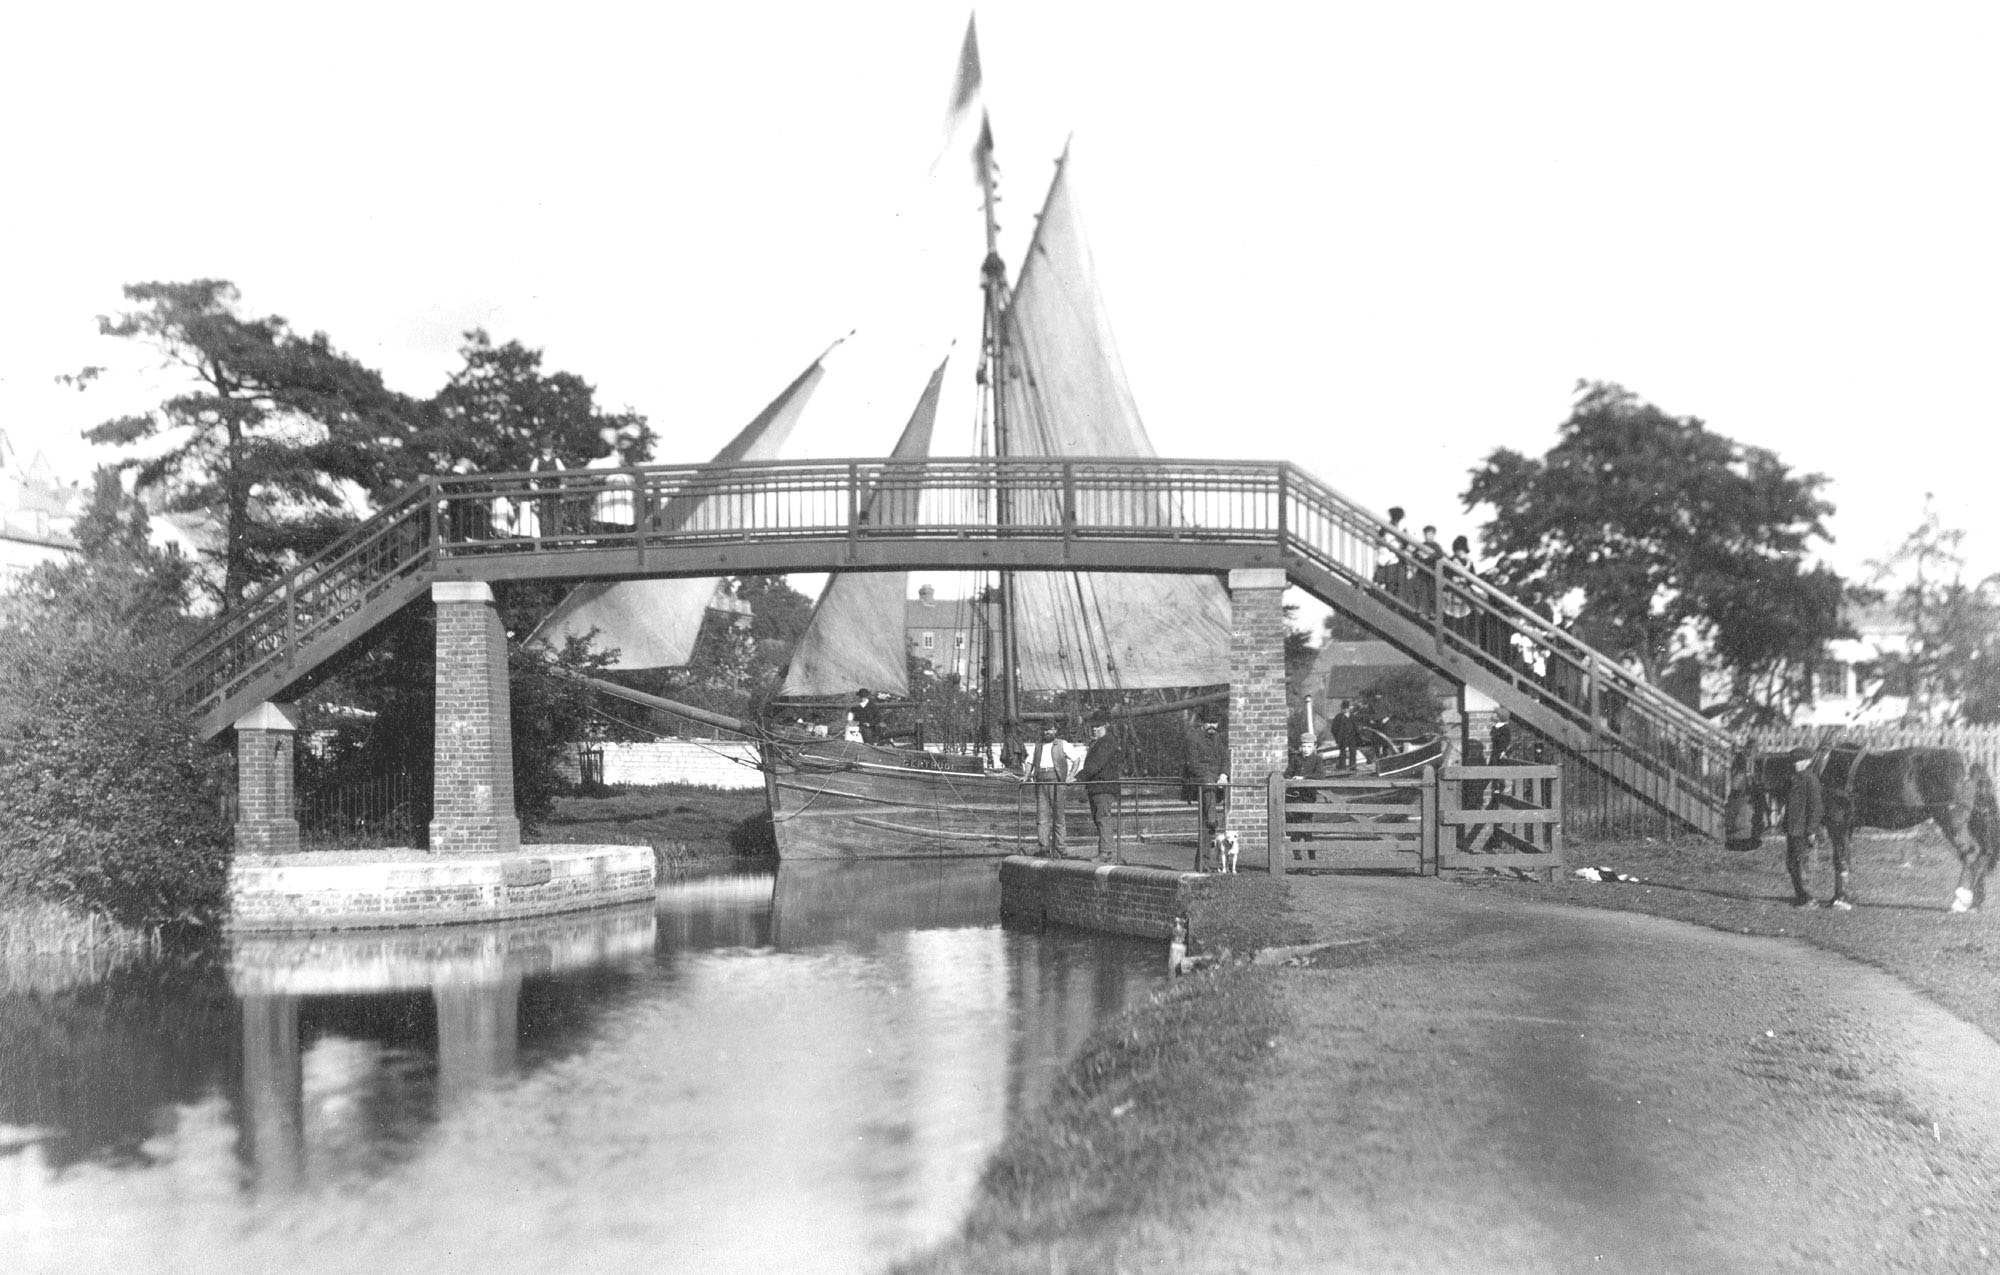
(1898, 788)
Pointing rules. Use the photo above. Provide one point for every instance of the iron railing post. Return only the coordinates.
(1437, 600)
(1284, 496)
(435, 501)
(853, 508)
(1068, 501)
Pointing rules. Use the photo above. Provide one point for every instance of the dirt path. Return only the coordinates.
(1476, 1083)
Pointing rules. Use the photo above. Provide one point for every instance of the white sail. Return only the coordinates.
(856, 636)
(1066, 395)
(654, 623)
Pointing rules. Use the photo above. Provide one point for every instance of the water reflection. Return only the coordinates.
(803, 1071)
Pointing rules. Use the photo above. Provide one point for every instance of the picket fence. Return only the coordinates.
(1980, 743)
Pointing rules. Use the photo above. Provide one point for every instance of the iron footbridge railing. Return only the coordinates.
(1082, 513)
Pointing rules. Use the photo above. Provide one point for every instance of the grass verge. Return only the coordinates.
(1126, 1139)
(682, 823)
(1126, 1142)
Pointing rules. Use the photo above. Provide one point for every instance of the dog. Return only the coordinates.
(1225, 851)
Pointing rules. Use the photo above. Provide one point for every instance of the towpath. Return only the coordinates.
(1477, 1083)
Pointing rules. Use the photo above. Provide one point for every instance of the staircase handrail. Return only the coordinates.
(338, 549)
(1369, 527)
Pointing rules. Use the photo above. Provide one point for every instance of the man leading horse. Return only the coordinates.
(1892, 788)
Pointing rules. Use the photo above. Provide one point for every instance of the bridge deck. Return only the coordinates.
(1089, 514)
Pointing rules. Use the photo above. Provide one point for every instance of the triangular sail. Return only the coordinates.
(654, 623)
(1066, 396)
(849, 645)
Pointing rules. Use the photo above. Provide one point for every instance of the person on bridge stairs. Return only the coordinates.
(1050, 764)
(1427, 555)
(1390, 571)
(1804, 812)
(1206, 773)
(1103, 767)
(1457, 609)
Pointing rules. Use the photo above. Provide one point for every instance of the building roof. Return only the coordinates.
(1343, 670)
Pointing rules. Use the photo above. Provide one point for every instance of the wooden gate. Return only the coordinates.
(1321, 825)
(1500, 816)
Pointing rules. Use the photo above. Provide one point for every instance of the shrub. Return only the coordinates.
(111, 799)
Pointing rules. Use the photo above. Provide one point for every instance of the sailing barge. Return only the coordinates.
(1051, 385)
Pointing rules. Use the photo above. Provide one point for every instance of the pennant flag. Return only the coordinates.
(965, 87)
(965, 95)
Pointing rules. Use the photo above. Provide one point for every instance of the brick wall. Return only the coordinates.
(1257, 708)
(265, 823)
(721, 763)
(1142, 902)
(473, 810)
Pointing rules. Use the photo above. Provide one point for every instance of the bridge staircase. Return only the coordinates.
(1114, 514)
(1594, 710)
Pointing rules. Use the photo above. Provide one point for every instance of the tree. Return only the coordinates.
(1404, 699)
(112, 803)
(500, 411)
(273, 428)
(393, 685)
(1649, 533)
(1951, 665)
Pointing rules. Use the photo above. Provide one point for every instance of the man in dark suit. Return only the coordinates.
(1804, 812)
(1345, 732)
(1206, 772)
(1103, 767)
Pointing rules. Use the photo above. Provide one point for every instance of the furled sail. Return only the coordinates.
(654, 623)
(1066, 396)
(849, 645)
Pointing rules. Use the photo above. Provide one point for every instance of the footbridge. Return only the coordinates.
(439, 538)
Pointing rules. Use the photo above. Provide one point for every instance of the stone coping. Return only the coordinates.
(316, 890)
(419, 958)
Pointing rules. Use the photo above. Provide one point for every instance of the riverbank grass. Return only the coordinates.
(1131, 1137)
(683, 823)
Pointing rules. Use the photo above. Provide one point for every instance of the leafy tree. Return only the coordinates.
(500, 411)
(1951, 666)
(1404, 699)
(112, 803)
(393, 683)
(271, 429)
(1647, 532)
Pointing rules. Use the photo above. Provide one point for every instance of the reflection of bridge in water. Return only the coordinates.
(1254, 518)
(850, 996)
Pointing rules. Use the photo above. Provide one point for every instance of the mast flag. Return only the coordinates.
(965, 94)
(965, 86)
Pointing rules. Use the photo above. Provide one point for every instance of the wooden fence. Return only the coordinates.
(1322, 824)
(1500, 817)
(1458, 817)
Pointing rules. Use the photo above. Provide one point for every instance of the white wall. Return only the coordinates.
(717, 763)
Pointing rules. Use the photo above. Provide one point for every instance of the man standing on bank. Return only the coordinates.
(1804, 812)
(1049, 765)
(1103, 767)
(1207, 769)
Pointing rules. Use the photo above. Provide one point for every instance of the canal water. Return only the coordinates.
(799, 1071)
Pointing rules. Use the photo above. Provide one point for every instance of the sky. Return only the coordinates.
(1377, 240)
